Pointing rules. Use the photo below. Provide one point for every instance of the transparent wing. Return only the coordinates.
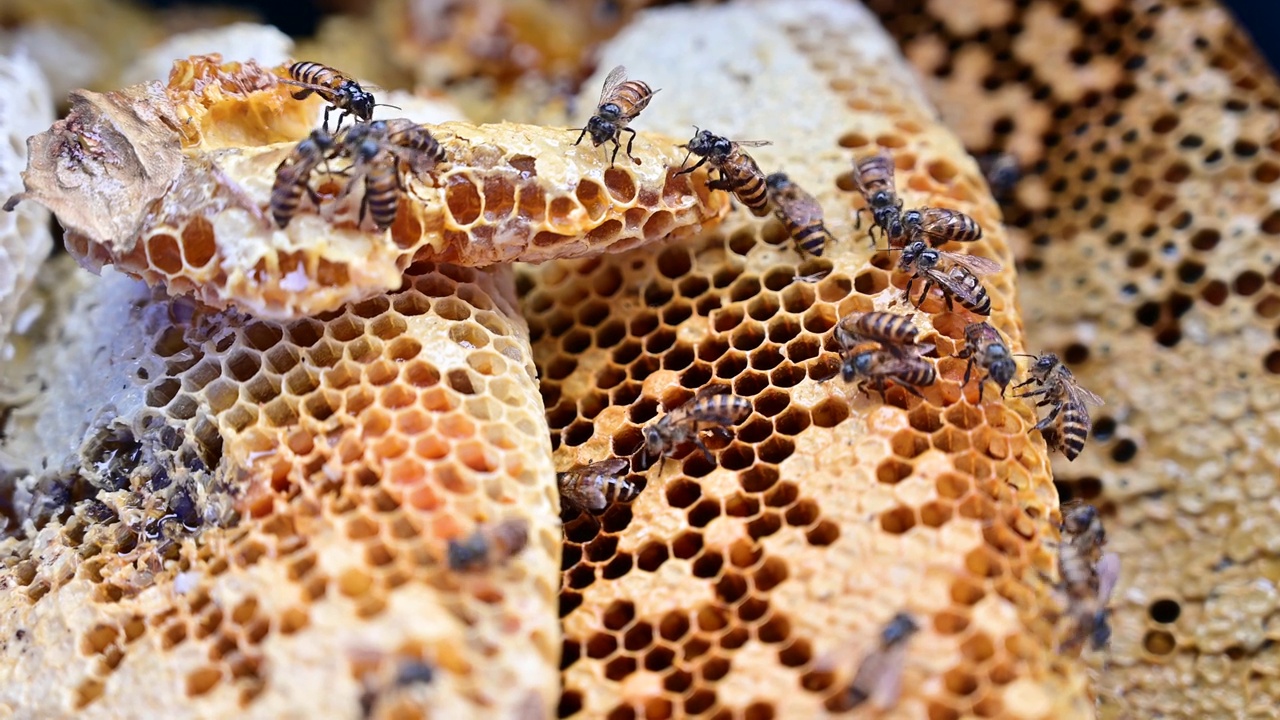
(1085, 395)
(800, 206)
(973, 263)
(1108, 570)
(752, 143)
(611, 466)
(616, 77)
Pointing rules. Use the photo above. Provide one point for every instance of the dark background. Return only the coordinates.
(1261, 18)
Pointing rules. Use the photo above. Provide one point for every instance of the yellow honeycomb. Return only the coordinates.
(1146, 223)
(195, 221)
(263, 510)
(751, 588)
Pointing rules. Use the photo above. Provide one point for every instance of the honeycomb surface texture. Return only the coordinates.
(751, 588)
(191, 219)
(1147, 223)
(26, 106)
(243, 518)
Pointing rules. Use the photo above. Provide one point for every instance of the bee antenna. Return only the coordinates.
(388, 105)
(1024, 355)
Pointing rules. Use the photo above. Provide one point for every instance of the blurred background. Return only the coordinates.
(299, 18)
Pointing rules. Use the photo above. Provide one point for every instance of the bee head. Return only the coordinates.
(362, 103)
(1078, 519)
(912, 217)
(653, 444)
(856, 365)
(880, 200)
(777, 181)
(1044, 365)
(601, 129)
(898, 629)
(917, 251)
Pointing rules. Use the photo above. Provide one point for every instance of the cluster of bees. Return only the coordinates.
(876, 347)
(377, 153)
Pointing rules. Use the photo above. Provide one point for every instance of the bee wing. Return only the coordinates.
(307, 85)
(752, 143)
(1108, 570)
(975, 264)
(707, 391)
(1086, 395)
(593, 498)
(616, 77)
(879, 677)
(611, 466)
(802, 207)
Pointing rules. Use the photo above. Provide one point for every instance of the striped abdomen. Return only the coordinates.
(970, 293)
(313, 73)
(943, 225)
(740, 175)
(721, 409)
(1073, 428)
(811, 238)
(918, 372)
(885, 326)
(382, 191)
(632, 97)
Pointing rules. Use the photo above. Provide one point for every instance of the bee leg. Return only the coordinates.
(616, 147)
(328, 109)
(696, 165)
(981, 387)
(706, 453)
(629, 144)
(1048, 419)
(580, 136)
(968, 369)
(908, 387)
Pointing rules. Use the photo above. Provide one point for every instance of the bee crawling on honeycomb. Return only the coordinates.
(336, 88)
(594, 486)
(621, 101)
(489, 546)
(1067, 425)
(711, 409)
(739, 173)
(1089, 576)
(880, 346)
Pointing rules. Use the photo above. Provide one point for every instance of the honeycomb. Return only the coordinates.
(25, 106)
(1146, 225)
(194, 221)
(752, 587)
(237, 513)
(236, 42)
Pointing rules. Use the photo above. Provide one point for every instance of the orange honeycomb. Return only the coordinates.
(266, 507)
(194, 221)
(750, 588)
(1146, 221)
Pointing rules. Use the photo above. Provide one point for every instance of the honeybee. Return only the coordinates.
(592, 487)
(894, 331)
(874, 177)
(984, 347)
(907, 371)
(879, 676)
(958, 279)
(377, 149)
(739, 173)
(940, 225)
(712, 407)
(490, 545)
(341, 92)
(1002, 172)
(293, 175)
(1088, 577)
(800, 213)
(621, 101)
(1067, 425)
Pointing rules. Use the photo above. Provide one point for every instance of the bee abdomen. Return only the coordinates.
(314, 73)
(753, 193)
(976, 300)
(636, 94)
(1075, 429)
(812, 239)
(383, 197)
(887, 326)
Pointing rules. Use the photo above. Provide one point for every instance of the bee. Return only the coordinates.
(907, 371)
(739, 173)
(892, 330)
(800, 213)
(341, 92)
(293, 175)
(1002, 172)
(377, 150)
(879, 676)
(489, 545)
(1067, 425)
(874, 177)
(958, 280)
(940, 225)
(621, 101)
(592, 487)
(1088, 578)
(984, 348)
(712, 407)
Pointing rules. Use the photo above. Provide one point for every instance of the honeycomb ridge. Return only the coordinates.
(752, 587)
(193, 220)
(265, 509)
